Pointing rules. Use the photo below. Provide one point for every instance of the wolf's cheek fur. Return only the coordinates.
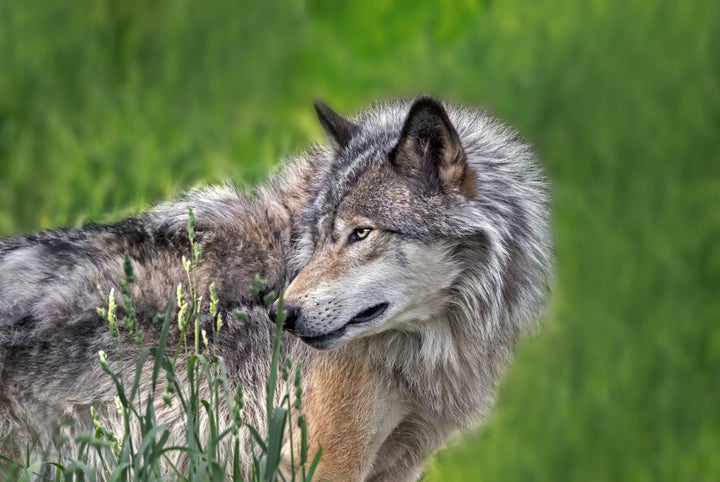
(332, 290)
(417, 288)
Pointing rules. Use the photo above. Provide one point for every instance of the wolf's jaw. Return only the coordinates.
(324, 342)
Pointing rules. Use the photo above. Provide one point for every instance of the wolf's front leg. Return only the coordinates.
(403, 455)
(350, 411)
(407, 468)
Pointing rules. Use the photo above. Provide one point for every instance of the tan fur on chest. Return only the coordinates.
(351, 410)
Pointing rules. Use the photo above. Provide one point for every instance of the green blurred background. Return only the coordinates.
(108, 106)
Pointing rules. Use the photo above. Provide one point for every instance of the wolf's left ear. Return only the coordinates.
(338, 129)
(429, 150)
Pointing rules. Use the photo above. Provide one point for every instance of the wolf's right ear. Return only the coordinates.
(338, 129)
(429, 151)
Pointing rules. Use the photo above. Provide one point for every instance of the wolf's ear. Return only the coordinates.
(429, 150)
(338, 129)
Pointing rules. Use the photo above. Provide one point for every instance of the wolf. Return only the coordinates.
(413, 252)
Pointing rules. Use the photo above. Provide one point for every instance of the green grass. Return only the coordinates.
(107, 107)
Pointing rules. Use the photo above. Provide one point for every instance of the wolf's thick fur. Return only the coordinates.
(412, 253)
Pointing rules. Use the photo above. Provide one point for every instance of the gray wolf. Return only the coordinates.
(413, 252)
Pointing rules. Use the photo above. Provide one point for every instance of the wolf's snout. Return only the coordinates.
(292, 313)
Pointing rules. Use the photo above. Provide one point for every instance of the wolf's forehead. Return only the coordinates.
(346, 192)
(349, 171)
(379, 196)
(379, 131)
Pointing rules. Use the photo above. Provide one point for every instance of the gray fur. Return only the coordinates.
(440, 370)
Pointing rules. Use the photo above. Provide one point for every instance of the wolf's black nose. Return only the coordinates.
(291, 314)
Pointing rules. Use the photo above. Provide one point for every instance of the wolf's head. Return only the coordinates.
(386, 239)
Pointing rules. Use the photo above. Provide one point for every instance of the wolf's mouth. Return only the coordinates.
(323, 342)
(369, 314)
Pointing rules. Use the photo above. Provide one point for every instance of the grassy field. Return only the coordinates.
(107, 107)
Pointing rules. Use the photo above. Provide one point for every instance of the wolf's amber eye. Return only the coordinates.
(359, 234)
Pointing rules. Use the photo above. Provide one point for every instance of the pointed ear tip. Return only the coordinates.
(426, 97)
(319, 105)
(427, 102)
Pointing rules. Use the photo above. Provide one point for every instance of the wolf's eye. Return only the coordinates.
(359, 234)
